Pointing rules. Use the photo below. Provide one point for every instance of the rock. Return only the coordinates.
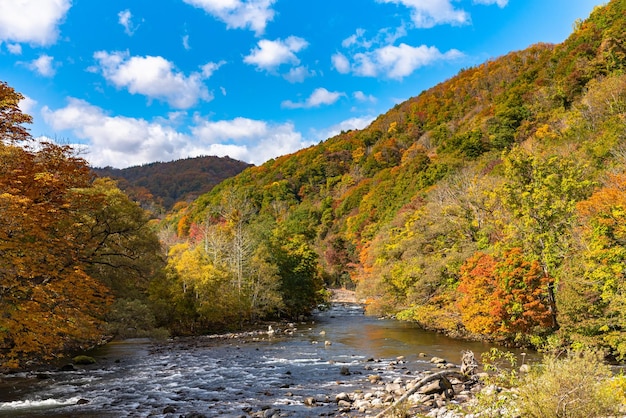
(438, 386)
(82, 401)
(437, 360)
(84, 360)
(68, 368)
(374, 378)
(269, 413)
(344, 404)
(393, 387)
(309, 401)
(343, 396)
(524, 368)
(327, 343)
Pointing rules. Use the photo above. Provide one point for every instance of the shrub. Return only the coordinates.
(578, 385)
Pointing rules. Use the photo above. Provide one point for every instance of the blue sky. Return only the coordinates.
(133, 82)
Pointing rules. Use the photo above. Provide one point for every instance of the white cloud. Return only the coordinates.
(209, 68)
(500, 3)
(393, 61)
(32, 21)
(120, 141)
(125, 19)
(429, 13)
(239, 14)
(269, 55)
(341, 63)
(116, 141)
(15, 49)
(186, 42)
(248, 140)
(319, 97)
(27, 105)
(42, 65)
(346, 125)
(362, 97)
(156, 78)
(298, 74)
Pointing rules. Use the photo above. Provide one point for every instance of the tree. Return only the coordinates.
(503, 296)
(596, 306)
(49, 304)
(11, 117)
(541, 194)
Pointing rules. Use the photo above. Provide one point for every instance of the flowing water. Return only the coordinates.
(229, 377)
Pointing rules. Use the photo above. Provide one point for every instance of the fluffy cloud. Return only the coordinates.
(319, 97)
(248, 140)
(429, 13)
(156, 78)
(27, 105)
(298, 74)
(125, 19)
(117, 141)
(42, 65)
(239, 14)
(392, 61)
(269, 55)
(341, 63)
(15, 49)
(500, 3)
(32, 21)
(346, 125)
(362, 97)
(120, 141)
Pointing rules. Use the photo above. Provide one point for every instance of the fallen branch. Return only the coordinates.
(424, 381)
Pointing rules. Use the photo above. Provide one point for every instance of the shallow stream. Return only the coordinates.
(221, 377)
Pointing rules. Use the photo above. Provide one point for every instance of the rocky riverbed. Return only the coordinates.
(339, 363)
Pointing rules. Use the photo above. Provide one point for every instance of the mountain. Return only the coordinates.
(488, 206)
(171, 182)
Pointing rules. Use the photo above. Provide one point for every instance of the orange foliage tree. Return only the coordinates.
(504, 296)
(48, 304)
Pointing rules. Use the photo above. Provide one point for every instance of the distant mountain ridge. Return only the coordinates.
(166, 183)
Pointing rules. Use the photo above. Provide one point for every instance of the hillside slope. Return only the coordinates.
(170, 182)
(469, 208)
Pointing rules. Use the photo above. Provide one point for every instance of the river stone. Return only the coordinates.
(344, 404)
(343, 396)
(437, 360)
(84, 360)
(374, 378)
(345, 371)
(309, 401)
(393, 387)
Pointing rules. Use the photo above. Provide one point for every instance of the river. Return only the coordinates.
(230, 377)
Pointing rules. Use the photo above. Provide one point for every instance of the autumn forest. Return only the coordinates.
(491, 206)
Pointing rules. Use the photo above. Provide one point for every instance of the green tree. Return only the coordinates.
(541, 194)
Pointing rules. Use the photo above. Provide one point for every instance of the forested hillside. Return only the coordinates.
(490, 206)
(165, 183)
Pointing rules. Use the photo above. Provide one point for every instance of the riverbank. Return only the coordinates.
(343, 296)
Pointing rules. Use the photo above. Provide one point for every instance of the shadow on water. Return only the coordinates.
(228, 377)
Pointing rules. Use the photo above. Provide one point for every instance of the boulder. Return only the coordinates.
(84, 360)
